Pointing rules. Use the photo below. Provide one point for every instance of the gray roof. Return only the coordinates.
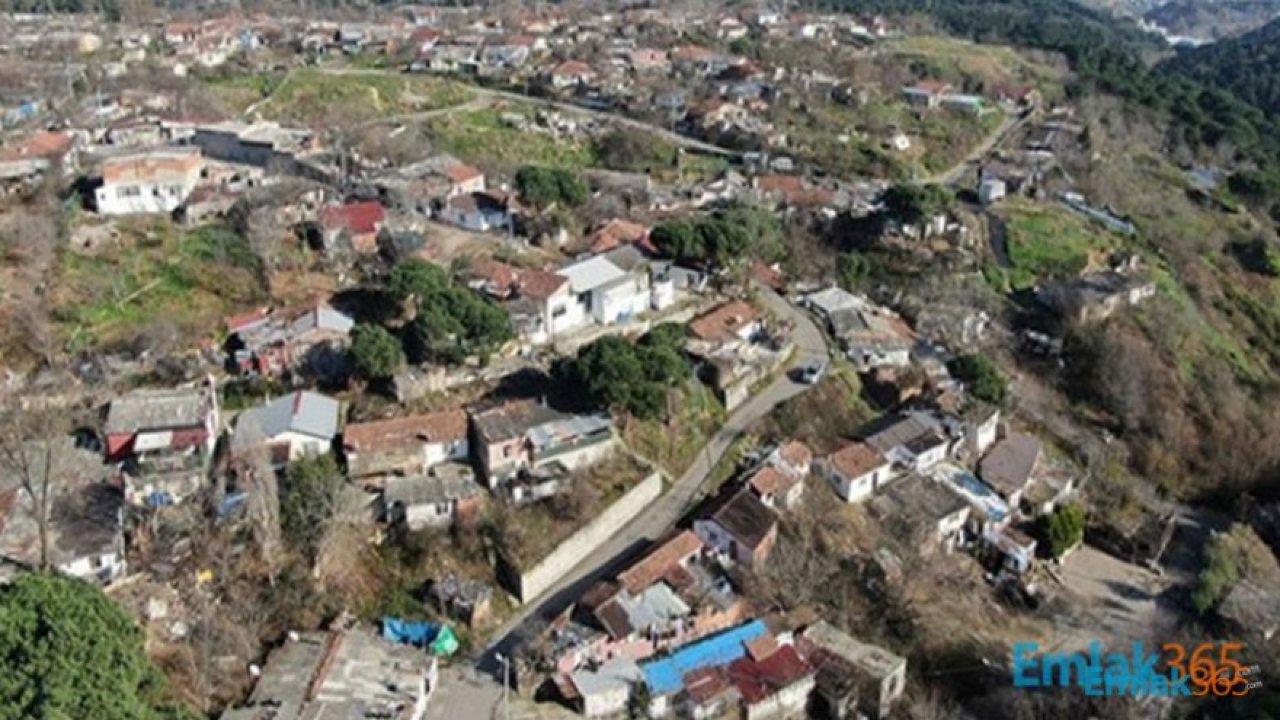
(870, 660)
(157, 410)
(657, 605)
(912, 431)
(617, 673)
(568, 429)
(1009, 465)
(513, 419)
(591, 273)
(430, 489)
(303, 412)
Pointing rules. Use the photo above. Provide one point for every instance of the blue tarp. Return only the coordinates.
(666, 676)
(409, 632)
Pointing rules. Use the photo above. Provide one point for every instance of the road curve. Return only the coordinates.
(477, 690)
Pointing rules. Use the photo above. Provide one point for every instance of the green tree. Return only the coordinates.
(1064, 529)
(312, 489)
(852, 269)
(982, 377)
(613, 374)
(68, 651)
(452, 321)
(633, 150)
(543, 187)
(375, 352)
(916, 203)
(1230, 557)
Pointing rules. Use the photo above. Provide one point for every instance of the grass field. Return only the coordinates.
(312, 97)
(1047, 241)
(481, 137)
(990, 64)
(160, 277)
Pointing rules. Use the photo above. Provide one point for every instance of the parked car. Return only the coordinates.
(811, 372)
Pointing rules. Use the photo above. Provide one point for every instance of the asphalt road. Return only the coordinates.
(476, 692)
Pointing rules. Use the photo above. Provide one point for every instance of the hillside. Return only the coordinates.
(1213, 20)
(1247, 66)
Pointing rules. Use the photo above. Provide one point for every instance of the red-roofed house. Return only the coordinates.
(464, 179)
(616, 233)
(571, 73)
(358, 221)
(857, 470)
(36, 154)
(733, 321)
(776, 686)
(926, 93)
(423, 39)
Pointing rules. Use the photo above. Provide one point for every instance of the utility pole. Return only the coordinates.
(506, 685)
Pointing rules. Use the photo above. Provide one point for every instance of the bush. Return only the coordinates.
(1230, 557)
(633, 151)
(1063, 529)
(981, 376)
(543, 187)
(852, 269)
(916, 203)
(309, 500)
(375, 353)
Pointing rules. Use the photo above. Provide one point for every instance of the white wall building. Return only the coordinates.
(157, 181)
(606, 292)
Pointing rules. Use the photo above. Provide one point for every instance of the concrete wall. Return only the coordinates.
(533, 581)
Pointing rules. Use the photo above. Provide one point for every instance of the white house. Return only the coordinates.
(298, 425)
(857, 470)
(476, 211)
(436, 499)
(158, 181)
(606, 690)
(607, 293)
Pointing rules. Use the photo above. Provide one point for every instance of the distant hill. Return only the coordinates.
(1247, 66)
(1206, 20)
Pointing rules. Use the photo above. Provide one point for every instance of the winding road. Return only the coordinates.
(475, 691)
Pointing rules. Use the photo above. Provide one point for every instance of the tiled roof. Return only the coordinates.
(746, 518)
(856, 459)
(360, 218)
(654, 565)
(796, 453)
(1009, 465)
(758, 680)
(770, 480)
(725, 321)
(462, 173)
(382, 435)
(539, 284)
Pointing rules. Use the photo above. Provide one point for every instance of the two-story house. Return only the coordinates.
(300, 424)
(524, 434)
(404, 446)
(857, 470)
(740, 526)
(162, 441)
(155, 181)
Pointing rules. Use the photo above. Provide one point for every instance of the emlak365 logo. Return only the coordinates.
(1209, 669)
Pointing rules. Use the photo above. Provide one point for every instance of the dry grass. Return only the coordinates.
(673, 444)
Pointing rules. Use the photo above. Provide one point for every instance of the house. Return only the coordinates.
(709, 693)
(551, 304)
(731, 322)
(1095, 296)
(180, 33)
(300, 424)
(86, 522)
(524, 434)
(606, 293)
(464, 179)
(163, 442)
(968, 104)
(265, 145)
(1010, 466)
(794, 458)
(665, 677)
(740, 526)
(643, 60)
(857, 470)
(920, 514)
(605, 691)
(464, 599)
(871, 336)
(405, 445)
(338, 672)
(775, 488)
(914, 440)
(775, 686)
(925, 93)
(423, 39)
(310, 340)
(439, 497)
(1017, 548)
(354, 223)
(989, 513)
(871, 676)
(571, 73)
(616, 233)
(991, 190)
(36, 155)
(477, 211)
(155, 181)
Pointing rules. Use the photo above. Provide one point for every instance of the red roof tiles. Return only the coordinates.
(360, 218)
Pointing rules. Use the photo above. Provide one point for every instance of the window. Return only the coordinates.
(128, 191)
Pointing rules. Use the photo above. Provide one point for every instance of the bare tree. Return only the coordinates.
(35, 454)
(257, 479)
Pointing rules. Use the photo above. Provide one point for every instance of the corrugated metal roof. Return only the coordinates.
(666, 676)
